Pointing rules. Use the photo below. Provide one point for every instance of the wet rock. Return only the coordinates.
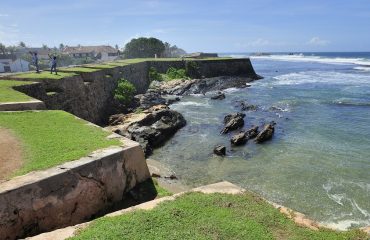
(244, 106)
(172, 177)
(197, 86)
(218, 96)
(233, 122)
(170, 101)
(252, 132)
(156, 175)
(220, 150)
(266, 133)
(151, 128)
(239, 139)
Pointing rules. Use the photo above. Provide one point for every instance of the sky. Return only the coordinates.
(194, 25)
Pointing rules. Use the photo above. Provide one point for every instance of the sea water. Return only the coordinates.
(318, 161)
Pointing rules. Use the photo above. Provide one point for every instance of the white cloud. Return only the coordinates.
(318, 41)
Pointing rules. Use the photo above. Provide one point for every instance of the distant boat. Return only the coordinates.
(259, 54)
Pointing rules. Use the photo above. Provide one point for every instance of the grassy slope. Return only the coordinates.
(8, 94)
(79, 69)
(43, 75)
(201, 216)
(53, 137)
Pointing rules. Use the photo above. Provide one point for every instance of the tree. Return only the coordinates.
(44, 46)
(61, 46)
(22, 44)
(144, 48)
(2, 48)
(116, 47)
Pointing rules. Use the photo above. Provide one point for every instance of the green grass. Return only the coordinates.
(79, 69)
(214, 216)
(43, 75)
(51, 138)
(8, 94)
(99, 66)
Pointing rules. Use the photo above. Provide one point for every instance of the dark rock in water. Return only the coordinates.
(233, 122)
(244, 106)
(169, 101)
(228, 117)
(172, 177)
(239, 139)
(252, 132)
(220, 150)
(266, 133)
(219, 96)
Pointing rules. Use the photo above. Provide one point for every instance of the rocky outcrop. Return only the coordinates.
(233, 122)
(252, 132)
(266, 133)
(220, 150)
(149, 99)
(151, 128)
(197, 86)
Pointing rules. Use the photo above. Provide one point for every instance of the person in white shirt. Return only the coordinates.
(35, 61)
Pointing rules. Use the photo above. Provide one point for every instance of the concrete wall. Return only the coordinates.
(90, 95)
(70, 193)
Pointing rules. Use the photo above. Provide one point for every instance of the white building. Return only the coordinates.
(9, 63)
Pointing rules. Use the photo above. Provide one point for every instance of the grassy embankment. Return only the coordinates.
(208, 216)
(8, 94)
(50, 138)
(42, 75)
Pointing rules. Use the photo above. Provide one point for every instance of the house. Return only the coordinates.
(104, 53)
(10, 63)
(201, 55)
(43, 53)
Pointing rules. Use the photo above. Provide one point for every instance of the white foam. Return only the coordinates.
(189, 103)
(364, 69)
(321, 77)
(302, 58)
(343, 225)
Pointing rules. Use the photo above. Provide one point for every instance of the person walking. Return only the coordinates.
(35, 60)
(53, 64)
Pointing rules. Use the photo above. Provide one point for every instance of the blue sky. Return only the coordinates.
(211, 26)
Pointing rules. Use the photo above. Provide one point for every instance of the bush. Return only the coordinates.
(154, 75)
(173, 73)
(124, 92)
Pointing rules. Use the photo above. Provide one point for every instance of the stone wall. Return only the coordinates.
(71, 193)
(90, 95)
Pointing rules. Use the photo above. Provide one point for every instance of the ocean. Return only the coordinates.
(318, 162)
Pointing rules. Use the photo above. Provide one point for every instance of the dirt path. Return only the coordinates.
(10, 154)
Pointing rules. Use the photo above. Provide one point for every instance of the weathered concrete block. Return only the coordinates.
(70, 193)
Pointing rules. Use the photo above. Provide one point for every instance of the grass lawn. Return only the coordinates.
(79, 69)
(51, 138)
(8, 94)
(43, 75)
(208, 216)
(99, 66)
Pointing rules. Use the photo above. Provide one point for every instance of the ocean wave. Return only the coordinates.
(363, 69)
(321, 77)
(347, 102)
(190, 103)
(302, 58)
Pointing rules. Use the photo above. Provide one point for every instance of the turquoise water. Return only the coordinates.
(318, 162)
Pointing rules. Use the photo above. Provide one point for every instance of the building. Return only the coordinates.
(201, 55)
(104, 53)
(10, 63)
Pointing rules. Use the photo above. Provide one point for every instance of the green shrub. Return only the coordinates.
(125, 91)
(154, 75)
(173, 73)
